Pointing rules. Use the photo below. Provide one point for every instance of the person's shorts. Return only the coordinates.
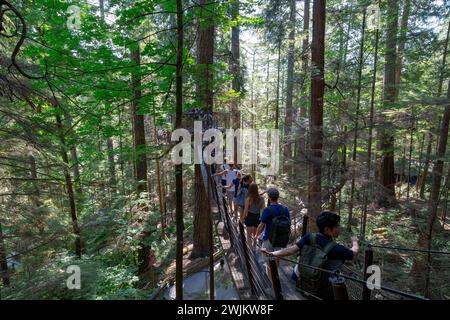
(252, 220)
(294, 275)
(267, 245)
(230, 194)
(224, 183)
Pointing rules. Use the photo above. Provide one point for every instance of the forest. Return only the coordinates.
(99, 98)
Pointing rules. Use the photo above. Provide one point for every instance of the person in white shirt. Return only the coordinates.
(230, 174)
(223, 178)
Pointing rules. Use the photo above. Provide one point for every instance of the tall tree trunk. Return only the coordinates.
(3, 261)
(446, 193)
(205, 58)
(316, 114)
(161, 195)
(109, 141)
(102, 9)
(401, 44)
(267, 86)
(444, 61)
(358, 102)
(411, 141)
(439, 92)
(35, 196)
(426, 236)
(277, 102)
(343, 169)
(253, 108)
(287, 151)
(179, 167)
(300, 154)
(69, 188)
(423, 178)
(419, 173)
(145, 267)
(368, 189)
(236, 72)
(387, 197)
(74, 157)
(111, 164)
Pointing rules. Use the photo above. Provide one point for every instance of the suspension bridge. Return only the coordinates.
(258, 277)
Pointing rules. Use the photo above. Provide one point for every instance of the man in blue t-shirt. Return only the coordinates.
(274, 209)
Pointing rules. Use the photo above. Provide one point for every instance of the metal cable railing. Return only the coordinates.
(404, 248)
(338, 273)
(258, 281)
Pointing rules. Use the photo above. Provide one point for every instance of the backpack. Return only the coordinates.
(280, 230)
(312, 281)
(240, 198)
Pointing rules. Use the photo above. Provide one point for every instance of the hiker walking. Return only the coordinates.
(254, 203)
(275, 223)
(235, 186)
(230, 175)
(242, 194)
(223, 179)
(319, 250)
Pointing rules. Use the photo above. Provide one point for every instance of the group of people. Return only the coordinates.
(247, 204)
(270, 226)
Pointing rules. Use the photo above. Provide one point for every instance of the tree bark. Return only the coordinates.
(277, 102)
(358, 102)
(161, 193)
(387, 196)
(179, 167)
(69, 188)
(367, 191)
(300, 153)
(446, 192)
(401, 44)
(202, 209)
(287, 151)
(236, 73)
(444, 61)
(423, 181)
(426, 167)
(316, 114)
(145, 267)
(111, 164)
(425, 237)
(267, 86)
(3, 261)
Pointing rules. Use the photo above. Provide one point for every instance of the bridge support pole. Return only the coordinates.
(273, 269)
(223, 208)
(304, 225)
(247, 259)
(368, 261)
(339, 288)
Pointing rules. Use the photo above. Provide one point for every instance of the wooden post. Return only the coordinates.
(304, 225)
(339, 288)
(227, 220)
(368, 261)
(247, 258)
(275, 279)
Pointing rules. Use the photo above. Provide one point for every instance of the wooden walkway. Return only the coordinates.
(239, 271)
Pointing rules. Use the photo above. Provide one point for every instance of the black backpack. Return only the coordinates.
(280, 230)
(312, 281)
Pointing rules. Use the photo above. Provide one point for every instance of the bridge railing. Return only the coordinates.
(261, 287)
(258, 282)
